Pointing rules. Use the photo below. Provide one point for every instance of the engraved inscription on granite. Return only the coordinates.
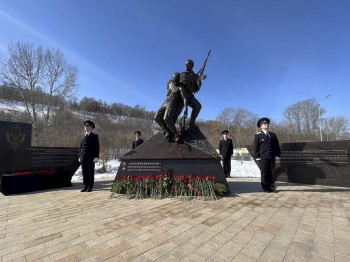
(315, 157)
(142, 166)
(322, 163)
(52, 157)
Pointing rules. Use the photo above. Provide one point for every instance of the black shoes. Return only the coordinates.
(169, 136)
(86, 190)
(270, 191)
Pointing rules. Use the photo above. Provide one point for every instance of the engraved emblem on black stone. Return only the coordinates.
(15, 137)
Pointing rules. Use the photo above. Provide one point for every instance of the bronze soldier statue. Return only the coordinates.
(171, 108)
(190, 83)
(181, 89)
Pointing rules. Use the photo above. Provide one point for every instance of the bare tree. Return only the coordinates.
(337, 128)
(303, 119)
(31, 71)
(241, 124)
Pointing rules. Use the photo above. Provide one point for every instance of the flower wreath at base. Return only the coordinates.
(167, 185)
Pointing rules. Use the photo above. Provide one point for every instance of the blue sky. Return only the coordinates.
(266, 55)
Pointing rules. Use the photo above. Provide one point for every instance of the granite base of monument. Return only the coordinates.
(157, 156)
(16, 184)
(24, 168)
(318, 163)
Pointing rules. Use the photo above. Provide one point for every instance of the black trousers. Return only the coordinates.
(226, 162)
(88, 168)
(267, 169)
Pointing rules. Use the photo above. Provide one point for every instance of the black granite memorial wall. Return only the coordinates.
(321, 163)
(24, 168)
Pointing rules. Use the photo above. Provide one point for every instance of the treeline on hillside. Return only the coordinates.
(88, 104)
(11, 94)
(66, 128)
(115, 123)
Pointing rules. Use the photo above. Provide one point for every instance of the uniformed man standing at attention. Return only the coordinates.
(88, 155)
(226, 151)
(266, 150)
(137, 141)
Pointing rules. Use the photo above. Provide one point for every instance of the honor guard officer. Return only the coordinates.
(137, 141)
(266, 150)
(88, 155)
(226, 151)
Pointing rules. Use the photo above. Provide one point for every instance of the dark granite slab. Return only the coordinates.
(321, 163)
(16, 154)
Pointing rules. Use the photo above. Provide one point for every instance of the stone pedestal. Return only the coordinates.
(196, 156)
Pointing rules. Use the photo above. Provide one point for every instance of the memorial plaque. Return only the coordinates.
(322, 163)
(340, 157)
(55, 158)
(144, 166)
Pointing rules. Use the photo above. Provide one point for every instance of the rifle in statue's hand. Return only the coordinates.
(200, 73)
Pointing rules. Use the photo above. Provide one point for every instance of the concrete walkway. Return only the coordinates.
(300, 223)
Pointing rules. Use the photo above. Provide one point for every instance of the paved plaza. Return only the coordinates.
(299, 223)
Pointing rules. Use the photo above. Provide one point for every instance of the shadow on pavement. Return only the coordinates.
(287, 187)
(102, 185)
(239, 187)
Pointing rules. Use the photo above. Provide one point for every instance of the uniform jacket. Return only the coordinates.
(226, 147)
(89, 147)
(189, 81)
(266, 147)
(136, 143)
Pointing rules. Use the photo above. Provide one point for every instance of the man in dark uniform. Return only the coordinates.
(190, 83)
(171, 108)
(226, 151)
(88, 155)
(137, 141)
(266, 150)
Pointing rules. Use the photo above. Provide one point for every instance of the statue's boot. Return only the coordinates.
(163, 126)
(194, 114)
(169, 136)
(170, 122)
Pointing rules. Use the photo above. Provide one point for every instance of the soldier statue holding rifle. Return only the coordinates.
(190, 83)
(181, 89)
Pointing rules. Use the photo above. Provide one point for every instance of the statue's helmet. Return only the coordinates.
(189, 62)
